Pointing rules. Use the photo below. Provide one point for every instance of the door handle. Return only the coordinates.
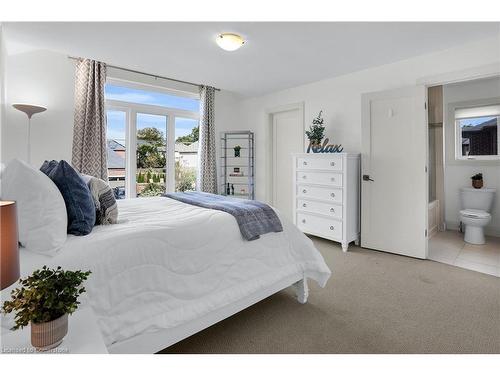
(366, 177)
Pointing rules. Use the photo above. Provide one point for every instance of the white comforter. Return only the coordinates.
(166, 263)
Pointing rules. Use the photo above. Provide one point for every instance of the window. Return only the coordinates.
(116, 134)
(151, 156)
(477, 133)
(186, 153)
(152, 138)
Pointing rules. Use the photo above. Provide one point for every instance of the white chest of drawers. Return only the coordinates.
(326, 196)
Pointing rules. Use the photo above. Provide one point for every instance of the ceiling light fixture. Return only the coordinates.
(229, 42)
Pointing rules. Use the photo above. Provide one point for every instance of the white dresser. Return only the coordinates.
(326, 196)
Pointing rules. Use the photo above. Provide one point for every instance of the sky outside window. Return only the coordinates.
(116, 126)
(126, 94)
(145, 120)
(115, 119)
(184, 126)
(475, 121)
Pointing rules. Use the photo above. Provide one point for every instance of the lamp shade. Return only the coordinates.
(9, 252)
(29, 109)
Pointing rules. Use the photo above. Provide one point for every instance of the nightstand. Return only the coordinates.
(83, 337)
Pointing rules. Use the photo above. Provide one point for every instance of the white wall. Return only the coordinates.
(458, 173)
(47, 78)
(44, 78)
(340, 97)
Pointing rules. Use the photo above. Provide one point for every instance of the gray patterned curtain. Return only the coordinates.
(207, 172)
(89, 133)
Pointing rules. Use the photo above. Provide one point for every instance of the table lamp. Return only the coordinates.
(9, 251)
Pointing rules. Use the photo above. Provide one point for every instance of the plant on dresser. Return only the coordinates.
(316, 131)
(326, 195)
(45, 299)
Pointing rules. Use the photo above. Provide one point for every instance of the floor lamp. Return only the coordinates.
(30, 110)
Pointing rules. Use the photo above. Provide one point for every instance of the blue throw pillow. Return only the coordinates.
(47, 166)
(79, 203)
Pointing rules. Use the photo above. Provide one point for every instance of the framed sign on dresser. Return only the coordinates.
(326, 195)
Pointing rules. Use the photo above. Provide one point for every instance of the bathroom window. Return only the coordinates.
(477, 133)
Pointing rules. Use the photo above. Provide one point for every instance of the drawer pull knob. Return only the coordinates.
(332, 164)
(332, 209)
(304, 191)
(333, 179)
(305, 163)
(304, 205)
(304, 220)
(304, 177)
(331, 227)
(332, 195)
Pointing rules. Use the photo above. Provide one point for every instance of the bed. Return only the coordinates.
(169, 269)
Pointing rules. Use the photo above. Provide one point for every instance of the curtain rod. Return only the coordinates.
(148, 74)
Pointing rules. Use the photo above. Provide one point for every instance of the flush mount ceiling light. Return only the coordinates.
(229, 42)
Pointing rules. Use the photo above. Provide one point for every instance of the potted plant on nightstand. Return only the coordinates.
(477, 181)
(45, 299)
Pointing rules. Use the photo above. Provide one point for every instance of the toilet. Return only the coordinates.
(475, 215)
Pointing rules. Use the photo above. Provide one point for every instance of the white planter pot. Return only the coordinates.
(46, 336)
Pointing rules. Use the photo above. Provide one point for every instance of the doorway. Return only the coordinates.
(464, 124)
(287, 137)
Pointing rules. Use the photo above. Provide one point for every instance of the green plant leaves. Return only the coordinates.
(316, 131)
(45, 295)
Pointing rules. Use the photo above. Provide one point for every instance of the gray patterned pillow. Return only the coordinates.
(104, 200)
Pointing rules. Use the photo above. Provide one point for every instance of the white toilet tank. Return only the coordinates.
(478, 199)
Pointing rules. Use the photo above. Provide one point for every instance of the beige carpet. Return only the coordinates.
(374, 303)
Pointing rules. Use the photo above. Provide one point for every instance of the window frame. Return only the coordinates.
(131, 110)
(458, 137)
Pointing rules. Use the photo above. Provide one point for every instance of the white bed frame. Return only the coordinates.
(154, 342)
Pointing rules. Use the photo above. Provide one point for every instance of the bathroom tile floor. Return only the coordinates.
(449, 247)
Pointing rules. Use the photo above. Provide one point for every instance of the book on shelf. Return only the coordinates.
(236, 174)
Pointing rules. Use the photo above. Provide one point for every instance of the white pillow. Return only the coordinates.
(41, 211)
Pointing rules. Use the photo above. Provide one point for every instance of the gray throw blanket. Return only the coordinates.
(254, 218)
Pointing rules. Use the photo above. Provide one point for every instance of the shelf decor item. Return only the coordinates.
(316, 131)
(237, 151)
(477, 181)
(45, 299)
(237, 164)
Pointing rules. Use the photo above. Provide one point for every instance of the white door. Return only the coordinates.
(394, 184)
(288, 138)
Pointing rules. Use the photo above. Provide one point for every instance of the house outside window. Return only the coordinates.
(477, 133)
(152, 139)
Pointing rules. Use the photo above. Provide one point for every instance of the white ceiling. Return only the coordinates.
(276, 55)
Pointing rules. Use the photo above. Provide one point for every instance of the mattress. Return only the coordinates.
(166, 263)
